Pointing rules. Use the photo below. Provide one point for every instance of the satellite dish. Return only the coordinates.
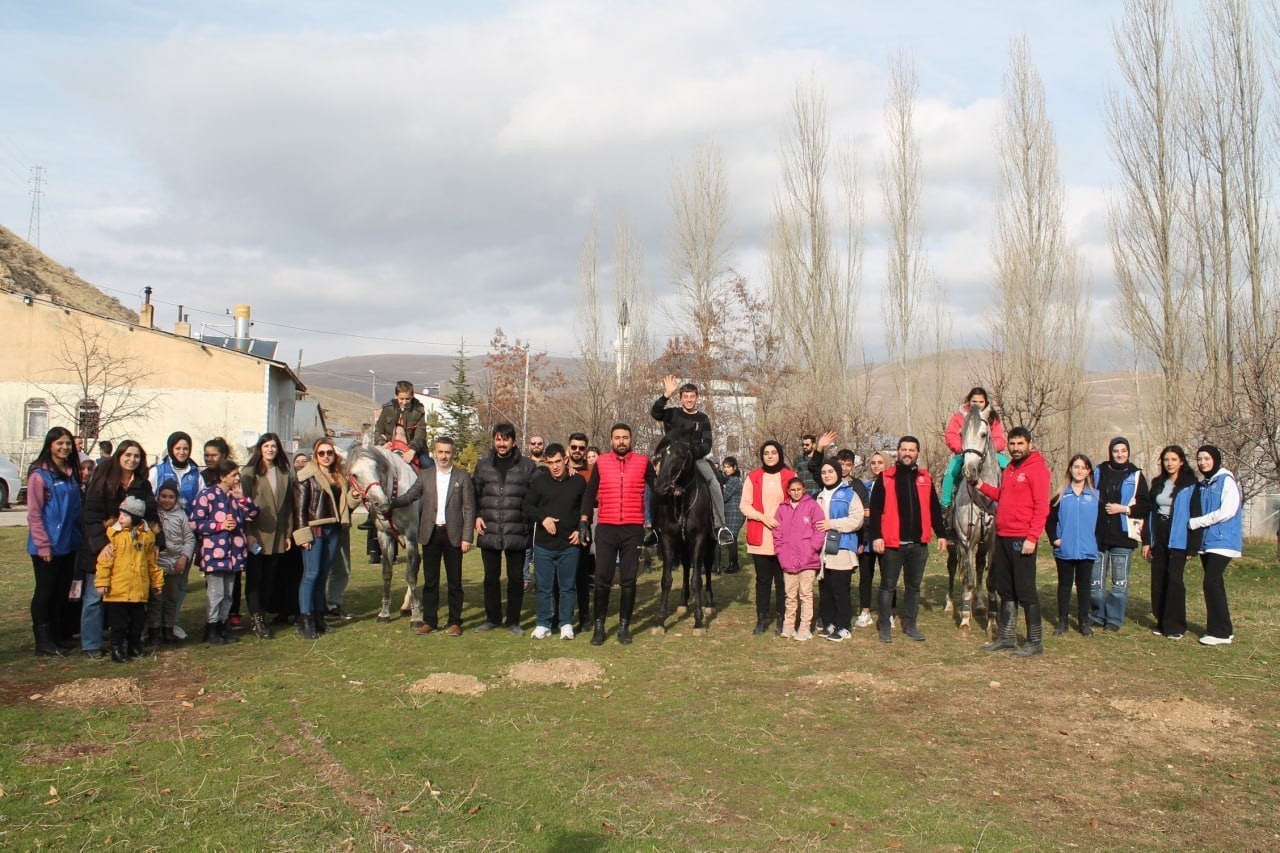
(248, 438)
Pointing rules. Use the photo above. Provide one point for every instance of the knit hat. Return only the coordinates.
(134, 508)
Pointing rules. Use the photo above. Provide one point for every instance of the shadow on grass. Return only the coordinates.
(573, 841)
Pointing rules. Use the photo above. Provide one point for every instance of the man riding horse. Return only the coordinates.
(686, 423)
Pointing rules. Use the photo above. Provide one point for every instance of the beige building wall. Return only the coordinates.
(205, 390)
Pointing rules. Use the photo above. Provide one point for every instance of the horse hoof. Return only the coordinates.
(658, 631)
(382, 620)
(416, 624)
(949, 607)
(698, 632)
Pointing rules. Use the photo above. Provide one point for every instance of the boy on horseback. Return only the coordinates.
(686, 423)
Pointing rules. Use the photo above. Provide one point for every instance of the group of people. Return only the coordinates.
(115, 540)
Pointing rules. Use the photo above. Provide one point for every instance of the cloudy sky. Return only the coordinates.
(426, 171)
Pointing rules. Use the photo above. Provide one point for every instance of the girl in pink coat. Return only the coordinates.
(798, 543)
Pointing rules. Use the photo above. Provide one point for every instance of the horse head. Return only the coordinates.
(369, 472)
(975, 439)
(673, 467)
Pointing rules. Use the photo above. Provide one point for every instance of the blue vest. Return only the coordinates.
(1077, 525)
(840, 500)
(189, 484)
(1128, 488)
(1225, 535)
(1179, 520)
(60, 514)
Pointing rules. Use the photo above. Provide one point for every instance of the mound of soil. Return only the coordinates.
(448, 682)
(96, 692)
(1179, 713)
(570, 672)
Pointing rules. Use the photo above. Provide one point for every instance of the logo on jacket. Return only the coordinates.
(1021, 478)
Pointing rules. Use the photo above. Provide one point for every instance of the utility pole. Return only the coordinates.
(524, 418)
(373, 387)
(33, 225)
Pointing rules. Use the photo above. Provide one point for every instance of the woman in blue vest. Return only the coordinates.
(1126, 502)
(1072, 528)
(1164, 542)
(1219, 537)
(844, 514)
(178, 466)
(53, 538)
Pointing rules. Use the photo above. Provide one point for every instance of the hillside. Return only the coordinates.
(353, 373)
(33, 272)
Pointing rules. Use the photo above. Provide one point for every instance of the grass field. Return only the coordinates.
(680, 742)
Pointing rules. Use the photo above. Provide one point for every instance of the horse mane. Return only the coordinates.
(381, 465)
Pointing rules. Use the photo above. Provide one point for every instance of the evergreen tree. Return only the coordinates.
(460, 411)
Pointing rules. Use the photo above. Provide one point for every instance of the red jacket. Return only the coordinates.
(957, 423)
(1022, 498)
(621, 488)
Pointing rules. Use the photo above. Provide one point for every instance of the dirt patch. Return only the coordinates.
(571, 672)
(65, 752)
(95, 693)
(1179, 713)
(848, 679)
(448, 682)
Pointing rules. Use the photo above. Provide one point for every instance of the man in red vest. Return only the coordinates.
(905, 516)
(616, 486)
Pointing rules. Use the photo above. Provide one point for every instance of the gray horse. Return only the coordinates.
(972, 520)
(377, 476)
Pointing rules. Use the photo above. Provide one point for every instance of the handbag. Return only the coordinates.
(832, 543)
(1134, 525)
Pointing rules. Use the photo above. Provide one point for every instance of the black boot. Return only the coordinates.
(138, 648)
(120, 653)
(1085, 608)
(777, 627)
(626, 606)
(260, 629)
(602, 612)
(228, 636)
(307, 626)
(885, 623)
(212, 634)
(1035, 634)
(322, 627)
(45, 646)
(1008, 637)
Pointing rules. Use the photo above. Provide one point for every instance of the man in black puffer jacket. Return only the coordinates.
(501, 480)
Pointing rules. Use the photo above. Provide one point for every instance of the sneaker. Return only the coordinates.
(840, 635)
(865, 620)
(235, 623)
(1112, 629)
(1206, 640)
(825, 630)
(518, 631)
(566, 631)
(1157, 632)
(487, 626)
(804, 634)
(1173, 636)
(789, 633)
(724, 536)
(541, 632)
(179, 633)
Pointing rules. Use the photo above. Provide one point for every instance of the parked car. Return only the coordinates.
(13, 486)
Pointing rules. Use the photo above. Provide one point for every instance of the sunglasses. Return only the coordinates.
(577, 447)
(325, 453)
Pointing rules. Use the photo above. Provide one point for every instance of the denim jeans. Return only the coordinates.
(556, 565)
(91, 614)
(1109, 606)
(339, 569)
(315, 569)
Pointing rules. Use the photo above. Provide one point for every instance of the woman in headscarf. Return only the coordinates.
(1219, 538)
(1126, 502)
(762, 494)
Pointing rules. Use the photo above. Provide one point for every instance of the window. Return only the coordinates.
(36, 418)
(87, 423)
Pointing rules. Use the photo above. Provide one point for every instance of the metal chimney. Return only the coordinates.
(241, 339)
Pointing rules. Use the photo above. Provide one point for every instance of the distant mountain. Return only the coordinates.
(33, 272)
(424, 371)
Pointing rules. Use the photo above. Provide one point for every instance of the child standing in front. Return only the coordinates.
(798, 543)
(175, 562)
(128, 573)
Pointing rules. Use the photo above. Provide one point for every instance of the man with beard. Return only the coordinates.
(502, 531)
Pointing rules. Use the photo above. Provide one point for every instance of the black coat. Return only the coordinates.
(500, 502)
(100, 512)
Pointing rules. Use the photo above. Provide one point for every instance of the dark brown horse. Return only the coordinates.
(682, 520)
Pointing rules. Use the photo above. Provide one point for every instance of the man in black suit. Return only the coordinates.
(445, 529)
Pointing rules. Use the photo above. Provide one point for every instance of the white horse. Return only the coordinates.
(973, 523)
(377, 476)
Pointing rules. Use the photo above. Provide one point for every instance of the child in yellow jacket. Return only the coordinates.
(128, 575)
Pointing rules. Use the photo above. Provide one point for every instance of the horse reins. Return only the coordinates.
(364, 499)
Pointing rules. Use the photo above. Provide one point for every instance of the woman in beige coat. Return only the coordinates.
(268, 479)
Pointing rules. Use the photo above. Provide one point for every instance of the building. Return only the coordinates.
(107, 378)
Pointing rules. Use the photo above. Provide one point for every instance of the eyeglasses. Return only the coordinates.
(577, 447)
(325, 453)
(535, 444)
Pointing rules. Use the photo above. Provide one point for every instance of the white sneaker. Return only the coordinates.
(788, 633)
(179, 633)
(541, 633)
(865, 620)
(804, 634)
(1206, 640)
(566, 631)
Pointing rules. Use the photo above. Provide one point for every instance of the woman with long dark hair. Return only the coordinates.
(1215, 516)
(1164, 541)
(123, 475)
(268, 480)
(1072, 529)
(53, 538)
(762, 494)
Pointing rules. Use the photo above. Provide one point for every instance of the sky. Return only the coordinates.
(402, 177)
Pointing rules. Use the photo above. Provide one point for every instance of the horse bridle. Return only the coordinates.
(364, 497)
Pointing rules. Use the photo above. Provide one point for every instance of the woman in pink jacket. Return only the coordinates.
(798, 543)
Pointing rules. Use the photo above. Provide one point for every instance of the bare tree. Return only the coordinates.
(1143, 121)
(813, 279)
(594, 403)
(107, 384)
(907, 264)
(1038, 325)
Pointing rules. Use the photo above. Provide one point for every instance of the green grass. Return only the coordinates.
(687, 742)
